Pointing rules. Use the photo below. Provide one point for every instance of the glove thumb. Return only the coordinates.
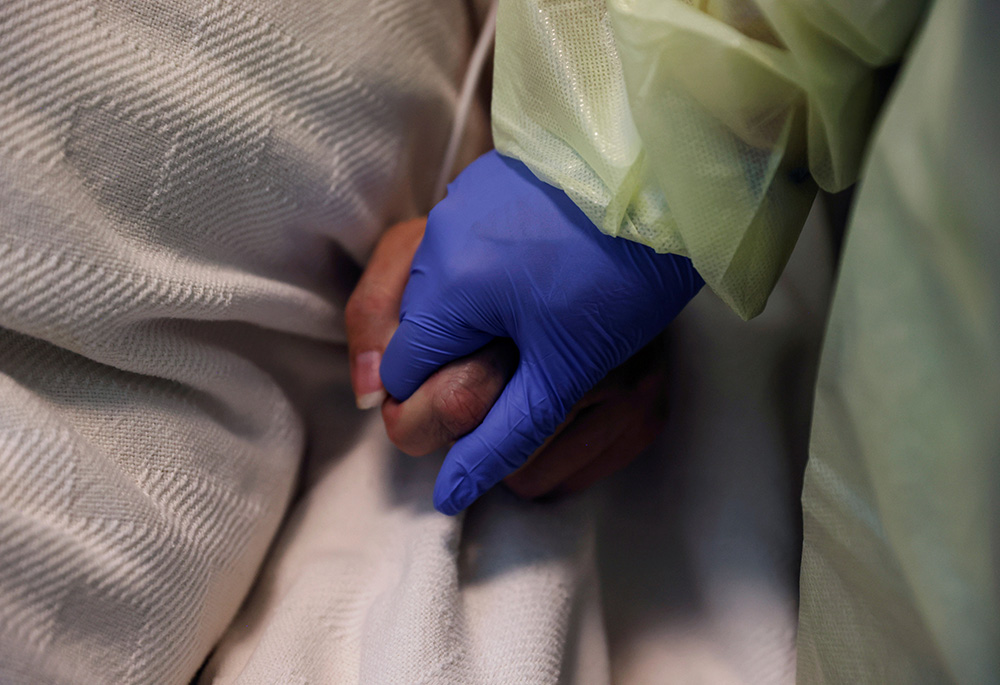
(418, 349)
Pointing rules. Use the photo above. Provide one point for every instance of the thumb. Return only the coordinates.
(372, 311)
(420, 346)
(523, 417)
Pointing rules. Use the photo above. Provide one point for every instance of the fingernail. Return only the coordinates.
(367, 384)
(371, 400)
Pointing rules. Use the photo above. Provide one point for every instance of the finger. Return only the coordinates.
(599, 393)
(372, 311)
(594, 430)
(517, 424)
(567, 422)
(630, 444)
(451, 402)
(630, 411)
(646, 409)
(419, 347)
(606, 390)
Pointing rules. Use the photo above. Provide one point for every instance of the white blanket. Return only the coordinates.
(681, 569)
(182, 186)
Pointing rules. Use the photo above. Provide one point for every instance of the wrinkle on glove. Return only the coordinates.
(506, 255)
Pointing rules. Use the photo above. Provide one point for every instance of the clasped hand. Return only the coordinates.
(513, 310)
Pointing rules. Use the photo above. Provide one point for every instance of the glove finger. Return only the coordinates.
(417, 350)
(524, 416)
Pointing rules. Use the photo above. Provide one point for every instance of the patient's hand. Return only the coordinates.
(451, 402)
(608, 428)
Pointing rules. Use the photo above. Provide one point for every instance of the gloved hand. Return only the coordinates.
(506, 255)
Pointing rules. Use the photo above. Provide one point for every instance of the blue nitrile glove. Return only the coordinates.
(506, 255)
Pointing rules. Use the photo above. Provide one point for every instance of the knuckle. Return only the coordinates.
(463, 400)
(356, 312)
(479, 374)
(404, 439)
(352, 313)
(366, 303)
(396, 437)
(395, 428)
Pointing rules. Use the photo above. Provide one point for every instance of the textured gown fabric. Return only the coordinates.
(901, 557)
(184, 190)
